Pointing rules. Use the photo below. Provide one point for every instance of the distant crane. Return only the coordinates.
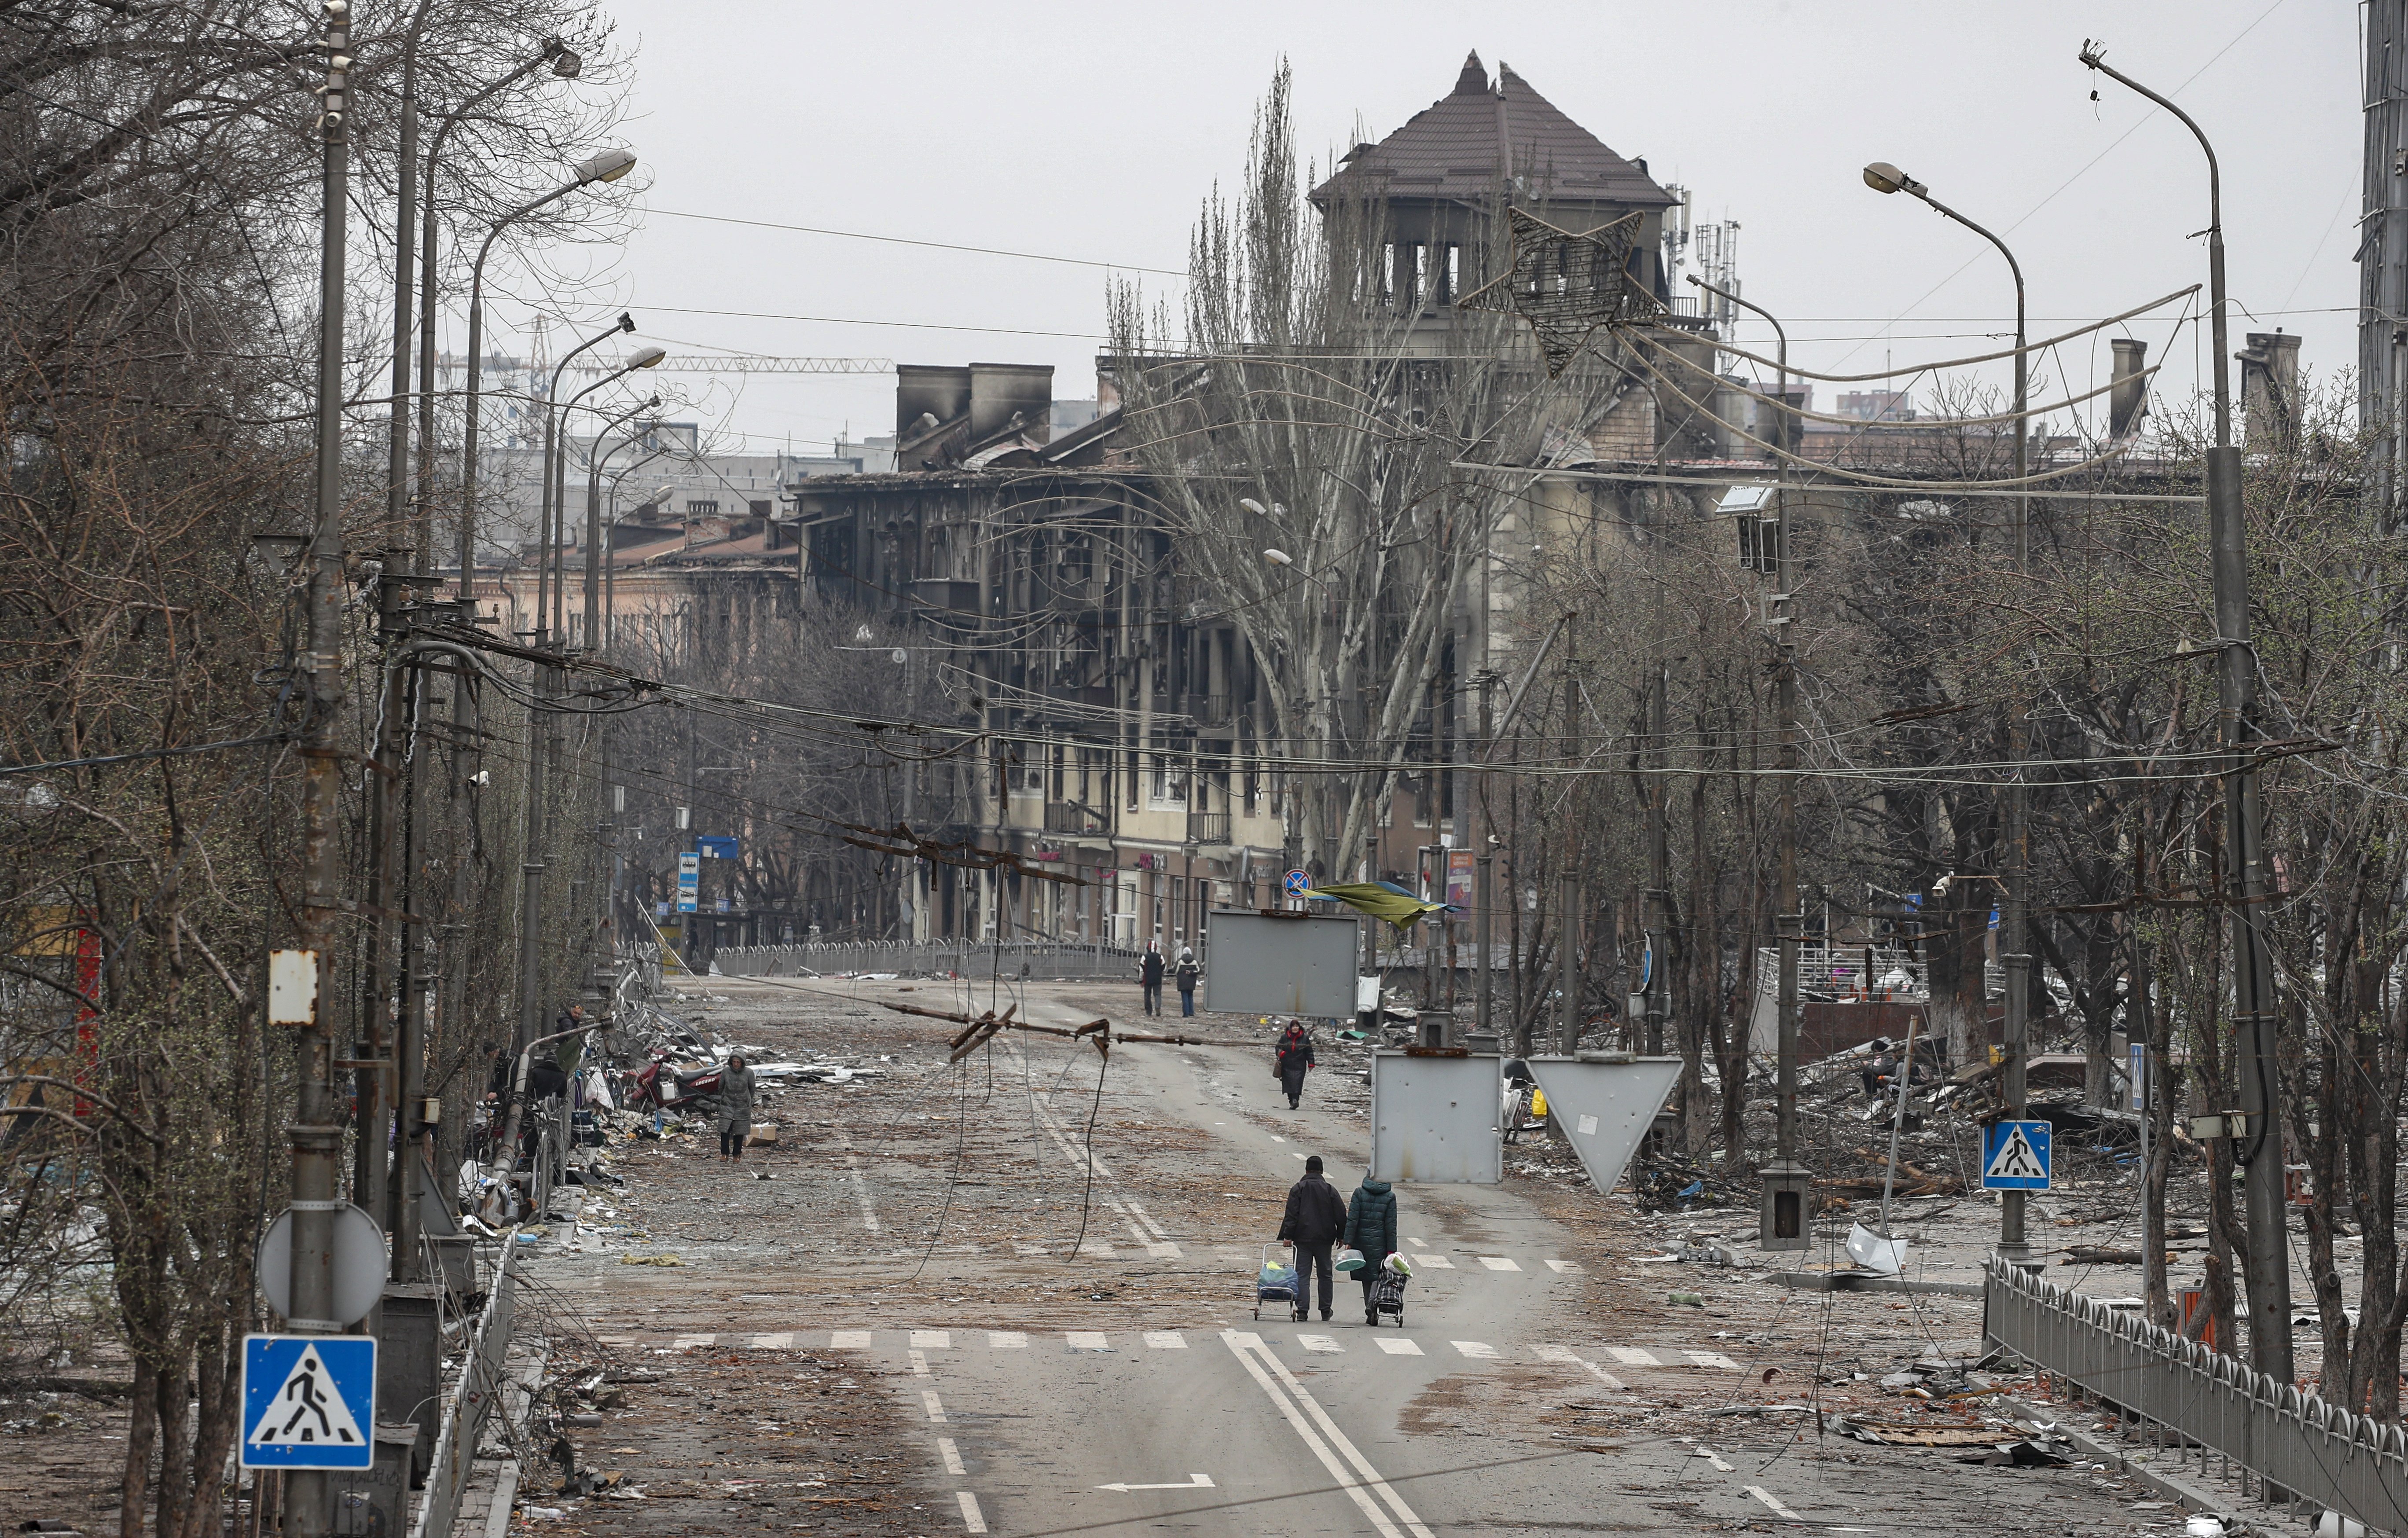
(688, 363)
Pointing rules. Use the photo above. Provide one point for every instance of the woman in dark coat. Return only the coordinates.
(1371, 1227)
(1294, 1056)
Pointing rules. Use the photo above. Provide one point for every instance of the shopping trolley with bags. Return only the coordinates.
(1279, 1281)
(1388, 1289)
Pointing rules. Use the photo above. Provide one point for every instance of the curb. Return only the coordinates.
(1858, 1281)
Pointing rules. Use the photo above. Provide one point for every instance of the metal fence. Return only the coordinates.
(968, 958)
(479, 1391)
(2299, 1448)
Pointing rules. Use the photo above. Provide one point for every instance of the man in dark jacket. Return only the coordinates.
(1149, 973)
(1315, 1214)
(1371, 1227)
(1293, 1056)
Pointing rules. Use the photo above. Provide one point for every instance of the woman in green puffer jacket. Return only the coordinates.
(1371, 1227)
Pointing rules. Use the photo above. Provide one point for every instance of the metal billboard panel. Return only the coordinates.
(1435, 1120)
(1605, 1107)
(1300, 965)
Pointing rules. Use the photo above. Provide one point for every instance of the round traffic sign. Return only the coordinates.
(1296, 883)
(360, 1264)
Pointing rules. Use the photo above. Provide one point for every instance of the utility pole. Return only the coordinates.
(2259, 1148)
(1568, 904)
(1659, 858)
(2383, 264)
(317, 1140)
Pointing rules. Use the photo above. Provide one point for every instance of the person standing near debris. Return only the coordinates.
(1292, 1058)
(1315, 1215)
(1371, 1227)
(1149, 973)
(735, 1108)
(1185, 975)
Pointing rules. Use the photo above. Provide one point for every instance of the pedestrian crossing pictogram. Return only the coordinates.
(2015, 1156)
(307, 1402)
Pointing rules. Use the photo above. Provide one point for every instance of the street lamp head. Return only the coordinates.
(1882, 176)
(1278, 557)
(1254, 507)
(646, 358)
(567, 62)
(626, 320)
(610, 165)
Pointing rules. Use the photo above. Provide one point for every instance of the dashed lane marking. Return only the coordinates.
(936, 1406)
(919, 1360)
(1397, 1346)
(972, 1521)
(951, 1455)
(1709, 1455)
(1778, 1509)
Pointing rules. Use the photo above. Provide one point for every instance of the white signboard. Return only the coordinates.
(1284, 964)
(1435, 1117)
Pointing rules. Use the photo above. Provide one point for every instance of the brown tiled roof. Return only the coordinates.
(1465, 142)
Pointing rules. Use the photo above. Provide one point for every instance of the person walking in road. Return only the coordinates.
(1315, 1215)
(1149, 973)
(1185, 975)
(735, 1108)
(1371, 1227)
(1293, 1056)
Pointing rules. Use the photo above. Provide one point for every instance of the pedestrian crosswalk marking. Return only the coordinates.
(1326, 1344)
(1711, 1358)
(1632, 1356)
(1395, 1347)
(1165, 1339)
(1563, 1265)
(1006, 1340)
(687, 1342)
(1086, 1340)
(784, 1341)
(307, 1410)
(1430, 1257)
(1165, 1250)
(1498, 1262)
(849, 1340)
(1477, 1350)
(933, 1340)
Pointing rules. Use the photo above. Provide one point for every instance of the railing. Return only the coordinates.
(2300, 1446)
(1208, 827)
(479, 1391)
(1076, 822)
(968, 958)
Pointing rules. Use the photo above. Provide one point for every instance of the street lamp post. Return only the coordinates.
(1782, 1219)
(548, 510)
(2269, 1267)
(594, 516)
(2014, 956)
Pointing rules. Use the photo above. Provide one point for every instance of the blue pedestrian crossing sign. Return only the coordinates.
(2015, 1156)
(308, 1402)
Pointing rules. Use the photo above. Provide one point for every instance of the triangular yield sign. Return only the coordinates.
(1605, 1107)
(307, 1410)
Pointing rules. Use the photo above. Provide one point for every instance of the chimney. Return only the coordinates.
(1001, 391)
(2128, 401)
(2270, 390)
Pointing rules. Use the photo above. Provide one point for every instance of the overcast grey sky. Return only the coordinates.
(1094, 131)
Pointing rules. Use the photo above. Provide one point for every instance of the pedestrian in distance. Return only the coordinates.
(1185, 975)
(1149, 974)
(735, 1108)
(1316, 1214)
(1292, 1058)
(1371, 1227)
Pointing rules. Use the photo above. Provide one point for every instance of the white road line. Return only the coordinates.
(1480, 1350)
(1165, 1250)
(687, 1342)
(933, 1340)
(1160, 1233)
(1165, 1339)
(1415, 1243)
(1431, 1257)
(860, 1182)
(951, 1455)
(1006, 1340)
(1096, 1249)
(1338, 1439)
(971, 1520)
(1396, 1345)
(849, 1340)
(919, 1360)
(1086, 1340)
(1711, 1358)
(1709, 1455)
(1566, 1355)
(1327, 1345)
(936, 1406)
(1563, 1265)
(1246, 1352)
(1631, 1355)
(1778, 1509)
(1498, 1262)
(783, 1341)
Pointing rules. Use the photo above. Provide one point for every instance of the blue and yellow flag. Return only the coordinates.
(1381, 899)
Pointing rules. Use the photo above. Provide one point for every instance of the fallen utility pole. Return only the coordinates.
(317, 1139)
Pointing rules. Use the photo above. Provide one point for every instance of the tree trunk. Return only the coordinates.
(141, 1425)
